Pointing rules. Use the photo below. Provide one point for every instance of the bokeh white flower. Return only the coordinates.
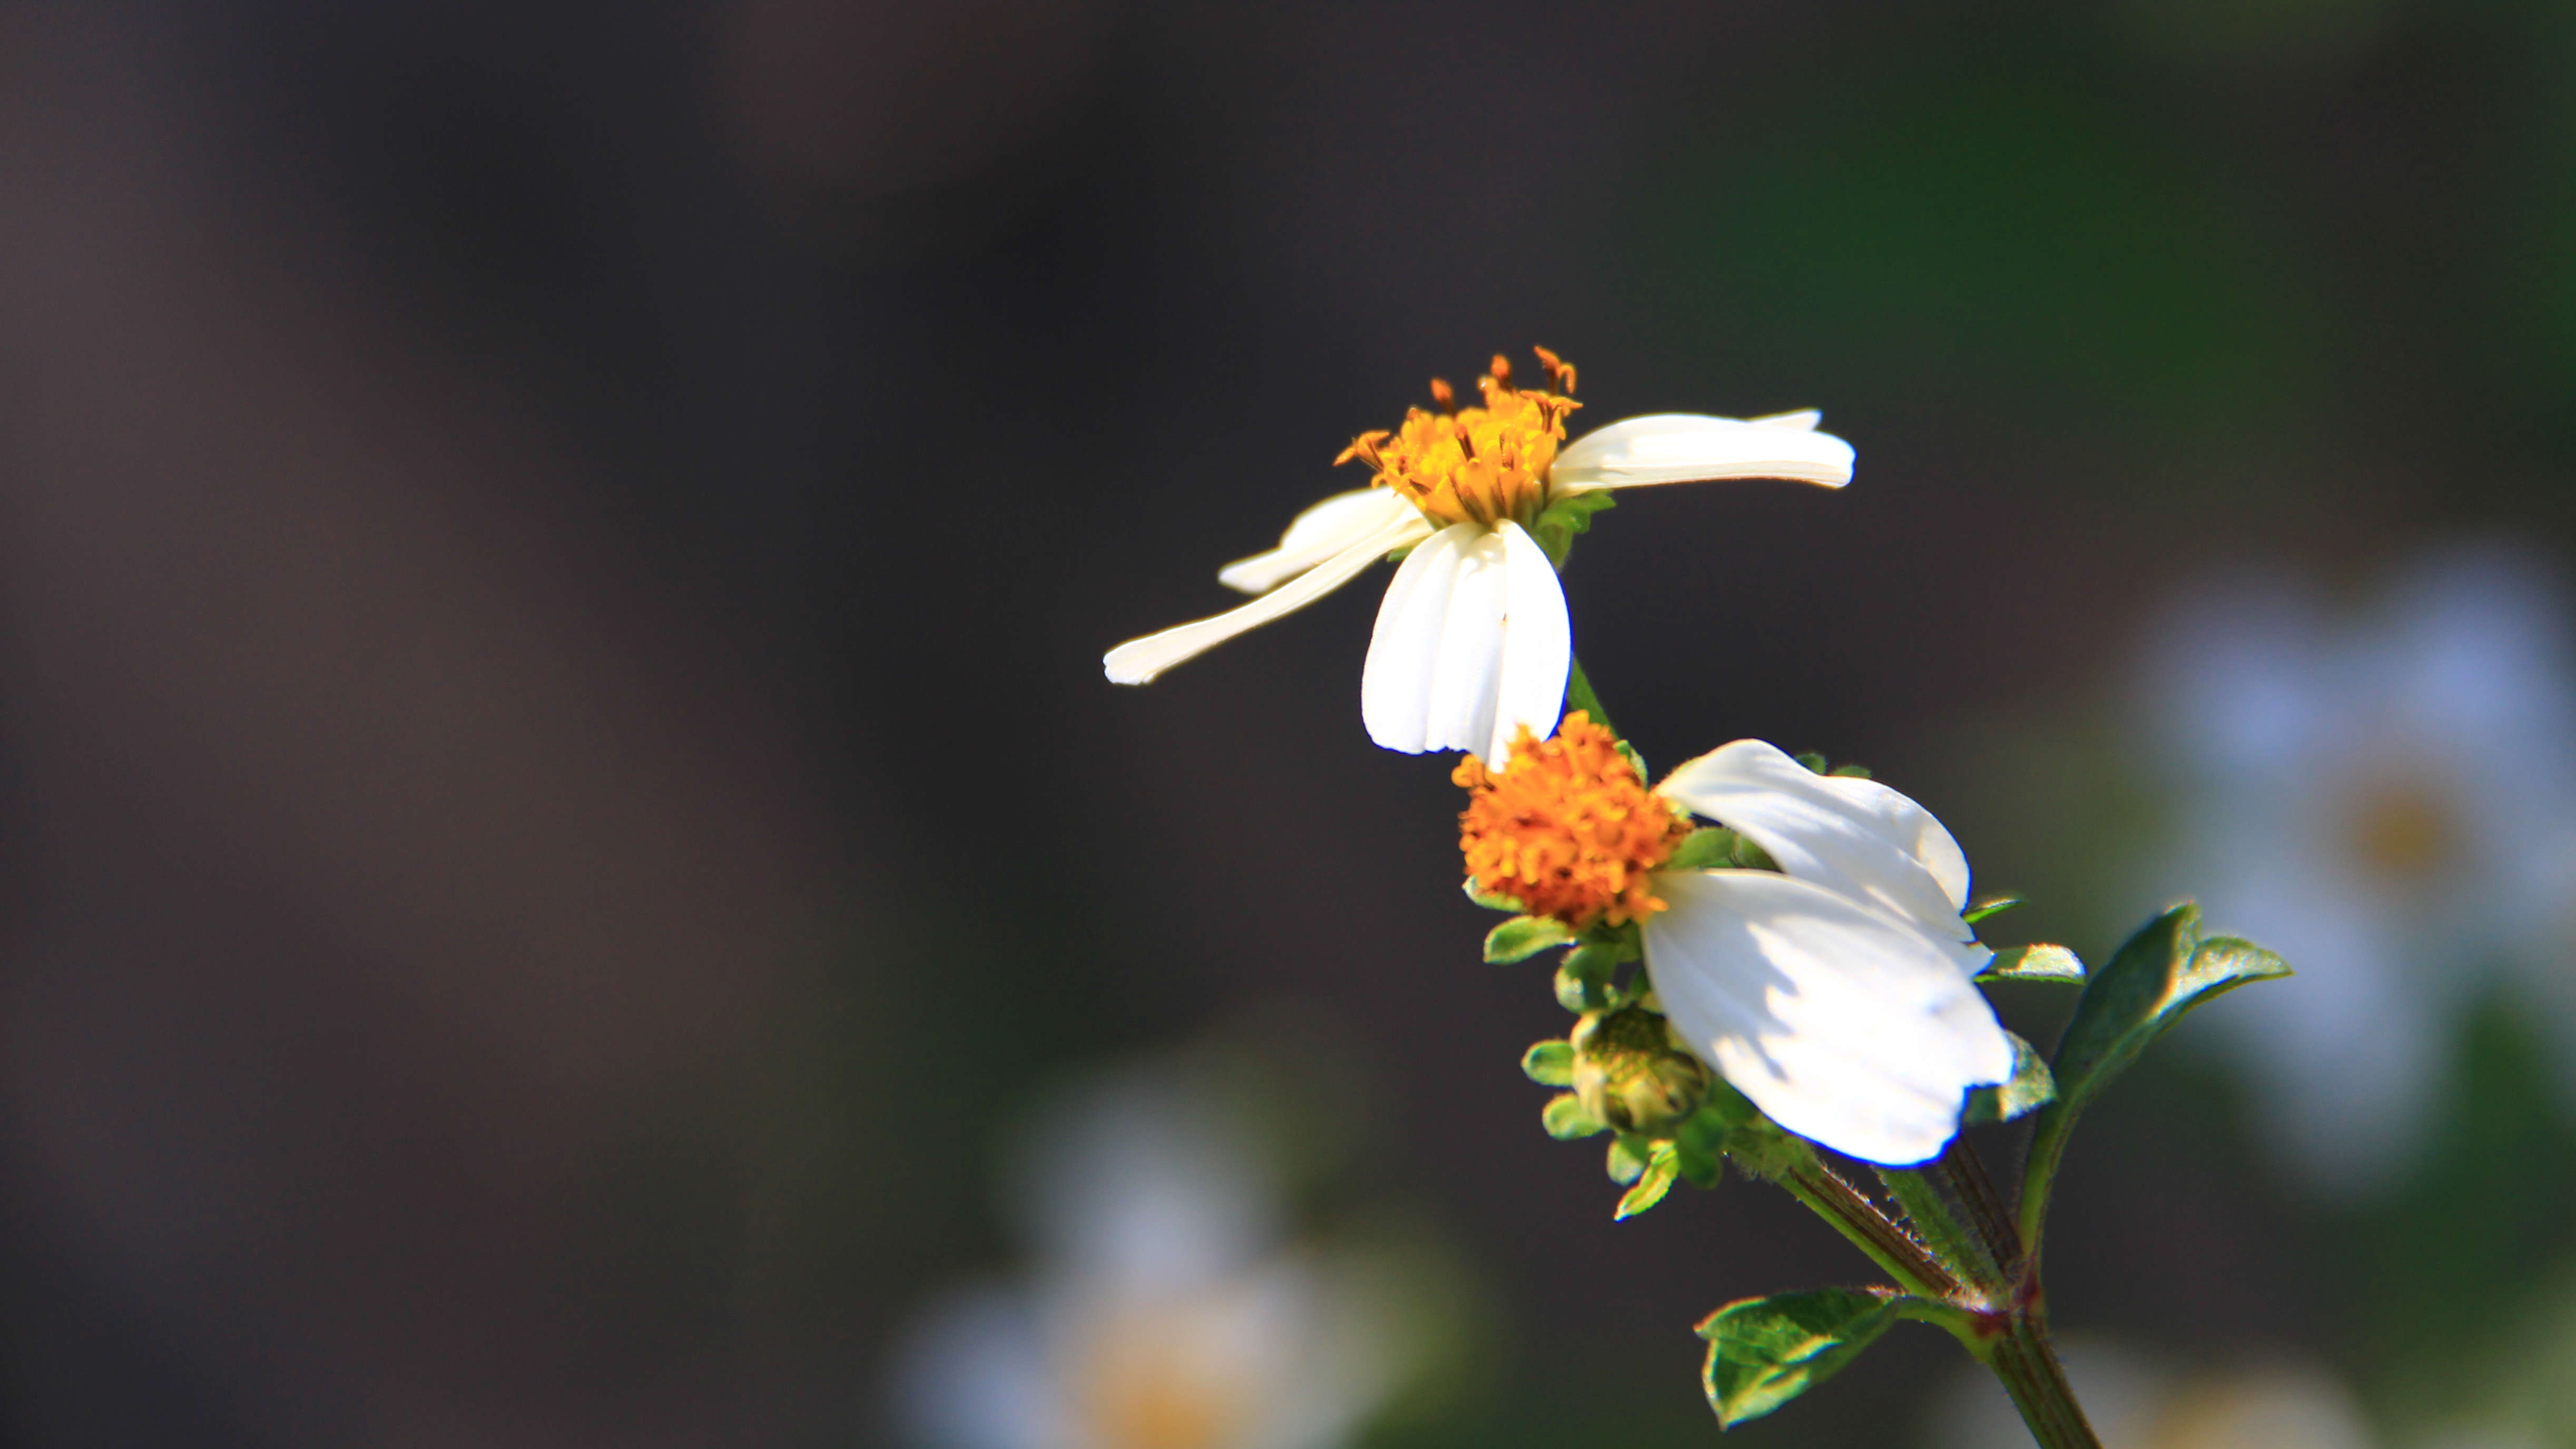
(1167, 1308)
(2135, 1402)
(1472, 640)
(2387, 797)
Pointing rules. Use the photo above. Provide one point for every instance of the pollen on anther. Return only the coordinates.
(1566, 828)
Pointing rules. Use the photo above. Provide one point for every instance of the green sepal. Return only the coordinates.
(2034, 963)
(1661, 1168)
(2158, 974)
(1584, 977)
(1522, 937)
(1763, 1352)
(1720, 1114)
(1813, 761)
(1995, 907)
(1749, 856)
(1710, 847)
(1629, 1154)
(2032, 1087)
(1491, 901)
(1849, 772)
(1562, 521)
(1550, 1063)
(1566, 1120)
(1700, 1166)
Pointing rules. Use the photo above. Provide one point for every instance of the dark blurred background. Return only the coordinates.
(555, 784)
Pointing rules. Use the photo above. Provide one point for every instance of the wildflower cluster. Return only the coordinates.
(1807, 974)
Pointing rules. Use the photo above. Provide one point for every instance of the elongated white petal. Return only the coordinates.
(1138, 660)
(1854, 836)
(1315, 536)
(1538, 644)
(1689, 448)
(1471, 641)
(1845, 1024)
(1804, 420)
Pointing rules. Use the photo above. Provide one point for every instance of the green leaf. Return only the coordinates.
(1550, 1063)
(1749, 856)
(2034, 963)
(1708, 848)
(1522, 937)
(1563, 520)
(1995, 907)
(1650, 1189)
(2164, 970)
(1763, 1352)
(1490, 901)
(2031, 1088)
(1566, 1120)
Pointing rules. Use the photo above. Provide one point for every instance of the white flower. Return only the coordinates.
(1472, 640)
(2389, 801)
(1166, 1312)
(1837, 994)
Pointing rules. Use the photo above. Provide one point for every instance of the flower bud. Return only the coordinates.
(1633, 1073)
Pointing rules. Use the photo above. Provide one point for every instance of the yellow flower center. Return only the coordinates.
(2402, 829)
(1158, 1377)
(1479, 464)
(1566, 828)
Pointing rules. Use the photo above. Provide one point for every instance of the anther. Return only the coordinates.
(1441, 394)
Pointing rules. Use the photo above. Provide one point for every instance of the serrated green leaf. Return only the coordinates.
(2031, 1088)
(1629, 1154)
(1490, 901)
(1550, 1063)
(2158, 974)
(1566, 1120)
(1650, 1189)
(2034, 963)
(1708, 848)
(1522, 937)
(1763, 1352)
(1995, 907)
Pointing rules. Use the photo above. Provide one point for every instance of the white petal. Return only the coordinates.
(1844, 1024)
(1803, 420)
(1689, 448)
(1854, 836)
(1138, 660)
(1315, 536)
(1471, 642)
(1538, 644)
(1395, 685)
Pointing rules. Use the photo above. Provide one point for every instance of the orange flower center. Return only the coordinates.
(1566, 828)
(1479, 464)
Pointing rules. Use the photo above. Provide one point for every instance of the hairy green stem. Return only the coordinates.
(1849, 1212)
(2023, 1360)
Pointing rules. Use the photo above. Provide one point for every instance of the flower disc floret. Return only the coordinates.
(1484, 464)
(1566, 828)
